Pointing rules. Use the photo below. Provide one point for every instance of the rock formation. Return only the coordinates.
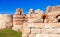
(34, 16)
(48, 27)
(53, 12)
(6, 21)
(31, 16)
(35, 23)
(18, 19)
(38, 14)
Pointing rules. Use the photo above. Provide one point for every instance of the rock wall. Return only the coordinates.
(52, 15)
(35, 23)
(53, 12)
(41, 30)
(19, 18)
(35, 16)
(5, 20)
(42, 25)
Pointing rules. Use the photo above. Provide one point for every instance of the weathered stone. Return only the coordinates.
(26, 30)
(51, 25)
(36, 25)
(24, 35)
(53, 12)
(19, 18)
(31, 11)
(52, 8)
(34, 17)
(53, 31)
(31, 25)
(38, 11)
(6, 21)
(36, 30)
(17, 28)
(19, 11)
(32, 35)
(38, 35)
(47, 35)
(58, 17)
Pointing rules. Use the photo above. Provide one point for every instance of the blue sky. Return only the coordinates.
(9, 6)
